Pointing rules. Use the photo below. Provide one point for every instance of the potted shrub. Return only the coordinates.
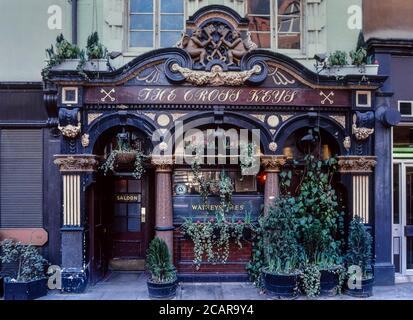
(281, 249)
(361, 63)
(359, 254)
(96, 54)
(162, 283)
(66, 57)
(30, 280)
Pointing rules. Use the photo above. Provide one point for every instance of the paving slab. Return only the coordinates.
(132, 286)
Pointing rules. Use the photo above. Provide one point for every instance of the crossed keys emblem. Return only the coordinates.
(107, 95)
(327, 97)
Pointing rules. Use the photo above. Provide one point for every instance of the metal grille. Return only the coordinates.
(21, 178)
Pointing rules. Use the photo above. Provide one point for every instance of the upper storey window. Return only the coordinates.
(155, 23)
(275, 24)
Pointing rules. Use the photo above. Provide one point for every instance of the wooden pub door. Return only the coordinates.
(129, 224)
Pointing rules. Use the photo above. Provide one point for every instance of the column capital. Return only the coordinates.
(72, 163)
(162, 163)
(273, 163)
(356, 164)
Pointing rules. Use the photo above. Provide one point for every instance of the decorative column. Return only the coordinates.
(163, 200)
(360, 168)
(272, 166)
(73, 168)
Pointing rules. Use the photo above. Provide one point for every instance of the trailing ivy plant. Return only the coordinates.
(319, 215)
(224, 185)
(212, 236)
(310, 280)
(30, 263)
(248, 159)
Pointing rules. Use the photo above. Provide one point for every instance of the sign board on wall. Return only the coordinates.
(34, 236)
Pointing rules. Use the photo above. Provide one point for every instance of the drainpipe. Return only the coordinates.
(74, 21)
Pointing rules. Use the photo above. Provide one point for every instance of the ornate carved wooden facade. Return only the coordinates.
(215, 76)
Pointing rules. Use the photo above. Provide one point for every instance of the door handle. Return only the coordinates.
(143, 214)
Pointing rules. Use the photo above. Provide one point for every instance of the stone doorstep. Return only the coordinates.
(399, 278)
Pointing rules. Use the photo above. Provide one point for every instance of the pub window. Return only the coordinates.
(406, 108)
(276, 24)
(155, 23)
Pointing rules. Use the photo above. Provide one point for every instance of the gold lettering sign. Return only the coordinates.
(215, 207)
(218, 95)
(127, 197)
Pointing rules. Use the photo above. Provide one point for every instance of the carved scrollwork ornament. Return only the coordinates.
(216, 77)
(356, 164)
(273, 163)
(162, 163)
(361, 133)
(76, 163)
(85, 140)
(70, 131)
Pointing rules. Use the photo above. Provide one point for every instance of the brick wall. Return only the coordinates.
(184, 256)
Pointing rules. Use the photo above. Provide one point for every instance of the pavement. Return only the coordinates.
(132, 286)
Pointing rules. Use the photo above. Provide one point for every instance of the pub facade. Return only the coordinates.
(215, 85)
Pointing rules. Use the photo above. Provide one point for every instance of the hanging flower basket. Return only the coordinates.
(126, 157)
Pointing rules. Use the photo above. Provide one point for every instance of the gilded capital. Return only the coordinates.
(162, 163)
(273, 163)
(76, 162)
(356, 164)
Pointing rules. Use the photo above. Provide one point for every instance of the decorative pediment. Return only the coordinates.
(215, 51)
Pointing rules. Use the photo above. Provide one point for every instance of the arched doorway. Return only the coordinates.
(120, 213)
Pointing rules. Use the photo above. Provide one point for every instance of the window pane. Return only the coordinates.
(119, 224)
(289, 7)
(263, 40)
(172, 22)
(409, 252)
(289, 41)
(120, 209)
(141, 39)
(406, 108)
(134, 186)
(288, 24)
(134, 225)
(141, 6)
(396, 206)
(169, 38)
(133, 209)
(141, 22)
(409, 196)
(259, 23)
(172, 6)
(259, 6)
(120, 186)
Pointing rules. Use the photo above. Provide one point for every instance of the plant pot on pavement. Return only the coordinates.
(280, 285)
(365, 291)
(166, 290)
(29, 290)
(329, 281)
